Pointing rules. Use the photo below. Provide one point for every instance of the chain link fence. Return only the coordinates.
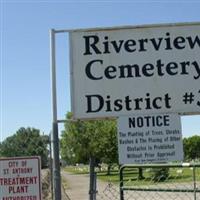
(148, 182)
(155, 182)
(111, 192)
(46, 189)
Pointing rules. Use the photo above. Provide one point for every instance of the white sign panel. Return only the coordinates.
(20, 179)
(148, 69)
(149, 139)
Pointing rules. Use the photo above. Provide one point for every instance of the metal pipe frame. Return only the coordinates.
(55, 142)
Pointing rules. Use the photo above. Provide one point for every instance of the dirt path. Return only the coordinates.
(78, 186)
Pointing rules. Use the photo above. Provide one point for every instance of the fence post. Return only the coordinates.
(121, 184)
(194, 179)
(51, 163)
(92, 190)
(95, 186)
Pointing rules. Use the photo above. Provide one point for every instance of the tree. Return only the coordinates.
(192, 147)
(26, 142)
(83, 140)
(140, 173)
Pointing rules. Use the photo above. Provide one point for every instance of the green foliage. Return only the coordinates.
(81, 140)
(192, 147)
(26, 142)
(159, 174)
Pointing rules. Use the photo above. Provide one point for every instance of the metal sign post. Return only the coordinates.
(56, 160)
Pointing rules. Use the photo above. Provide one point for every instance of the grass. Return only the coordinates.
(76, 170)
(112, 177)
(176, 175)
(131, 177)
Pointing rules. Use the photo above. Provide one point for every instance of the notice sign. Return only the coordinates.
(20, 179)
(140, 70)
(149, 139)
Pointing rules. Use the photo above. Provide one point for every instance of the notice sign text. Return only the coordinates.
(20, 179)
(149, 139)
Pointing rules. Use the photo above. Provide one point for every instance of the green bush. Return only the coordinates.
(159, 174)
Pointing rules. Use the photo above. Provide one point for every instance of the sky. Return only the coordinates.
(25, 52)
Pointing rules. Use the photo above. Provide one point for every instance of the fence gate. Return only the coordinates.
(160, 182)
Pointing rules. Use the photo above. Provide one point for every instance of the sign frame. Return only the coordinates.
(72, 70)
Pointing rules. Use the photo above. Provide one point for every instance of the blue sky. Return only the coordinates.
(25, 71)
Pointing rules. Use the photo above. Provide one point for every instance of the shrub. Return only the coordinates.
(159, 174)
